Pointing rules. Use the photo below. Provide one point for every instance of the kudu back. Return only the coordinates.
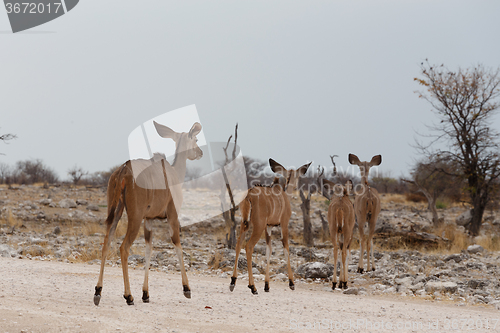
(341, 224)
(367, 209)
(149, 190)
(265, 207)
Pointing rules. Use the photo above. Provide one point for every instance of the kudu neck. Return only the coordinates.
(180, 159)
(364, 181)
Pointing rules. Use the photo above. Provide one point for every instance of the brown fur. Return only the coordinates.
(367, 208)
(266, 206)
(149, 190)
(341, 223)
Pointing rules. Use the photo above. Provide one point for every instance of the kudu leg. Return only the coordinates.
(148, 237)
(369, 252)
(362, 242)
(286, 250)
(134, 224)
(335, 261)
(110, 232)
(369, 255)
(241, 237)
(343, 278)
(268, 257)
(249, 249)
(176, 240)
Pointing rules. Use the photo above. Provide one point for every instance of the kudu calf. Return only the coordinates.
(149, 190)
(341, 223)
(367, 208)
(265, 207)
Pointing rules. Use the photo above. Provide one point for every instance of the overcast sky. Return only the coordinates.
(304, 79)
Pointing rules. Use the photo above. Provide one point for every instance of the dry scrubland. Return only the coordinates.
(61, 224)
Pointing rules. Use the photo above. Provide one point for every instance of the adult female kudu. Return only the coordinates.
(154, 193)
(367, 208)
(265, 207)
(341, 223)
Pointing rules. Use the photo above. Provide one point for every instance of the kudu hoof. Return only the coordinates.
(145, 296)
(373, 269)
(360, 270)
(334, 285)
(187, 292)
(97, 295)
(343, 285)
(129, 299)
(233, 283)
(266, 287)
(253, 289)
(291, 285)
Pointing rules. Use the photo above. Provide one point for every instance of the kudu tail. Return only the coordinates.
(369, 209)
(116, 193)
(245, 208)
(339, 216)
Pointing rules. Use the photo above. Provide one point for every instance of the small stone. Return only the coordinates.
(93, 207)
(67, 203)
(351, 291)
(475, 249)
(438, 286)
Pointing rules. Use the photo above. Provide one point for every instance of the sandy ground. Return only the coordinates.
(48, 296)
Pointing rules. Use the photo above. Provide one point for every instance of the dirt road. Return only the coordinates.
(43, 296)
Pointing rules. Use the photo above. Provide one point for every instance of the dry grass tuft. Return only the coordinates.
(490, 243)
(458, 240)
(91, 228)
(89, 254)
(395, 198)
(12, 221)
(216, 260)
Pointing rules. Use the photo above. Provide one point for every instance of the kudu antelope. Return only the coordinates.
(155, 193)
(341, 223)
(367, 208)
(265, 207)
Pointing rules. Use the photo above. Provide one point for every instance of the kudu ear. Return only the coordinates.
(195, 130)
(166, 132)
(328, 185)
(277, 168)
(376, 160)
(353, 159)
(303, 169)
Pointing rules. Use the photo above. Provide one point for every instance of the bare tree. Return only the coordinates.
(433, 180)
(33, 171)
(229, 216)
(76, 174)
(5, 173)
(464, 102)
(7, 137)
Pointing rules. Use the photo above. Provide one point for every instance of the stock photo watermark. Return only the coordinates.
(161, 159)
(26, 14)
(466, 324)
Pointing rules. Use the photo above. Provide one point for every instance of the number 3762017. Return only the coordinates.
(33, 8)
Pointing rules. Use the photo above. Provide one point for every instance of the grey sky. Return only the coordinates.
(304, 79)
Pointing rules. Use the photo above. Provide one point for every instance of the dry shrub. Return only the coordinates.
(415, 197)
